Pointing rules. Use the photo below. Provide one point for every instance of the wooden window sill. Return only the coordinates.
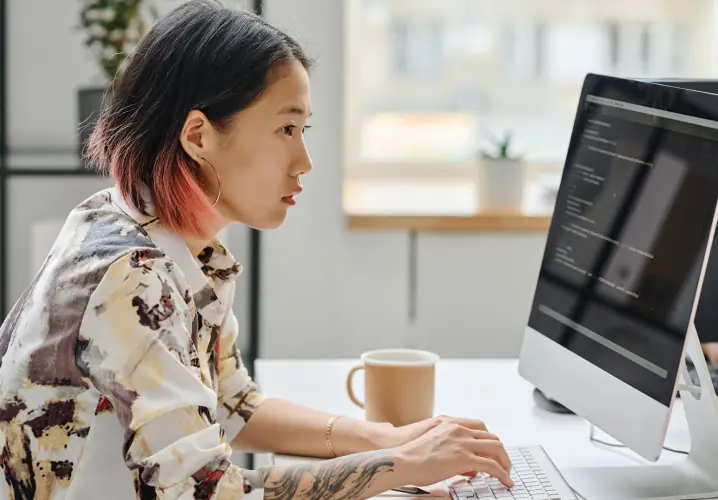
(487, 222)
(437, 205)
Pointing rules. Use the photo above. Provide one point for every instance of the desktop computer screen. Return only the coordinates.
(624, 256)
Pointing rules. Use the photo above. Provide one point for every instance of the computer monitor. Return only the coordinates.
(625, 256)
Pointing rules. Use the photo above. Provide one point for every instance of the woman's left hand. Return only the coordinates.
(398, 436)
(407, 433)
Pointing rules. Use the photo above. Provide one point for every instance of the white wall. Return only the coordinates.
(46, 65)
(327, 292)
(475, 292)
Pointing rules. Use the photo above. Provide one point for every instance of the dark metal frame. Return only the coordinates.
(255, 264)
(3, 151)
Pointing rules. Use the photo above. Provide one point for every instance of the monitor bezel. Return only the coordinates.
(628, 415)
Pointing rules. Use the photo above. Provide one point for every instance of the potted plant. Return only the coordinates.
(500, 179)
(112, 28)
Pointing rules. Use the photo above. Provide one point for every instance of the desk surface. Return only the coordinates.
(491, 390)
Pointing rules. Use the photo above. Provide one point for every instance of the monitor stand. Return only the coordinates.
(694, 478)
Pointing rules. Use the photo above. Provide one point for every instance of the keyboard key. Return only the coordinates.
(531, 482)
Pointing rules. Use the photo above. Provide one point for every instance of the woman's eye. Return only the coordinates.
(288, 130)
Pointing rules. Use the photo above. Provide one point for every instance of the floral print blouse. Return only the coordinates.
(119, 372)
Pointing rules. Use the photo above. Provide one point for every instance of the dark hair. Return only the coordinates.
(202, 56)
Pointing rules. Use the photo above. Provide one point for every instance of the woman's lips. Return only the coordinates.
(289, 199)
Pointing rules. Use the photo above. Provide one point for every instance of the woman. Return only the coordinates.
(120, 373)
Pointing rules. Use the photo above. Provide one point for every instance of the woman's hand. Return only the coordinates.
(450, 449)
(396, 436)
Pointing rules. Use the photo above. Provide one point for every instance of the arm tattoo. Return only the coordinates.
(345, 478)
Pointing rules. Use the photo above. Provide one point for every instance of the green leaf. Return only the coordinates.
(125, 14)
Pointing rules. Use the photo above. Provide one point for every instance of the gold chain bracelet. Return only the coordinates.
(328, 435)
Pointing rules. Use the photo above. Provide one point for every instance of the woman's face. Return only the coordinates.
(259, 159)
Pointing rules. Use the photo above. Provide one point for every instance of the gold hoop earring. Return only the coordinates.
(219, 190)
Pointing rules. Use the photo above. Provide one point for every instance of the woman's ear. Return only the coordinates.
(197, 135)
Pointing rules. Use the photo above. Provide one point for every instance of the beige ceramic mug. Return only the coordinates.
(398, 385)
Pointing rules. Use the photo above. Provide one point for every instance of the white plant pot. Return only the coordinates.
(500, 185)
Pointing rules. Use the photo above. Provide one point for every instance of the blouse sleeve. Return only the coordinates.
(136, 348)
(238, 394)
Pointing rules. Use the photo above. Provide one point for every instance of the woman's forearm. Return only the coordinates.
(354, 477)
(280, 426)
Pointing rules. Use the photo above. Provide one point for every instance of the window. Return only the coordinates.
(523, 49)
(416, 48)
(431, 81)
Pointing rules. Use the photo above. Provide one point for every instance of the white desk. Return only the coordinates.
(490, 390)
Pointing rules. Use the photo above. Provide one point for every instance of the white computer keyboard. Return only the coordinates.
(534, 475)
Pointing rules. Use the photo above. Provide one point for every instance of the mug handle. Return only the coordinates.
(350, 387)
